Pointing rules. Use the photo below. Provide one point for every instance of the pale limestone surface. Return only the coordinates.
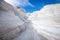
(43, 25)
(47, 21)
(11, 23)
(14, 24)
(30, 33)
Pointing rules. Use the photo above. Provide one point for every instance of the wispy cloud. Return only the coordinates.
(19, 2)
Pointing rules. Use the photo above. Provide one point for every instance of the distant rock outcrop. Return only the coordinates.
(47, 21)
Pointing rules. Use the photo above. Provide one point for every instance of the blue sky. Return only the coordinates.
(38, 4)
(32, 5)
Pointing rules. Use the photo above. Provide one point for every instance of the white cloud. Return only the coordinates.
(19, 2)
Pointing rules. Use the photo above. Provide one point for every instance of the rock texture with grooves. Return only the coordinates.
(16, 25)
(47, 21)
(12, 21)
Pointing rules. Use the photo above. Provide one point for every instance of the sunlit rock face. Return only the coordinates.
(12, 21)
(14, 24)
(47, 21)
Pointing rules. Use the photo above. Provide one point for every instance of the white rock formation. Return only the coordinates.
(47, 21)
(14, 24)
(11, 21)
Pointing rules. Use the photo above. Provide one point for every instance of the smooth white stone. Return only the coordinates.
(47, 21)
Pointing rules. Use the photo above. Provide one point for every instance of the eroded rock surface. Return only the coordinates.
(11, 21)
(15, 24)
(47, 21)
